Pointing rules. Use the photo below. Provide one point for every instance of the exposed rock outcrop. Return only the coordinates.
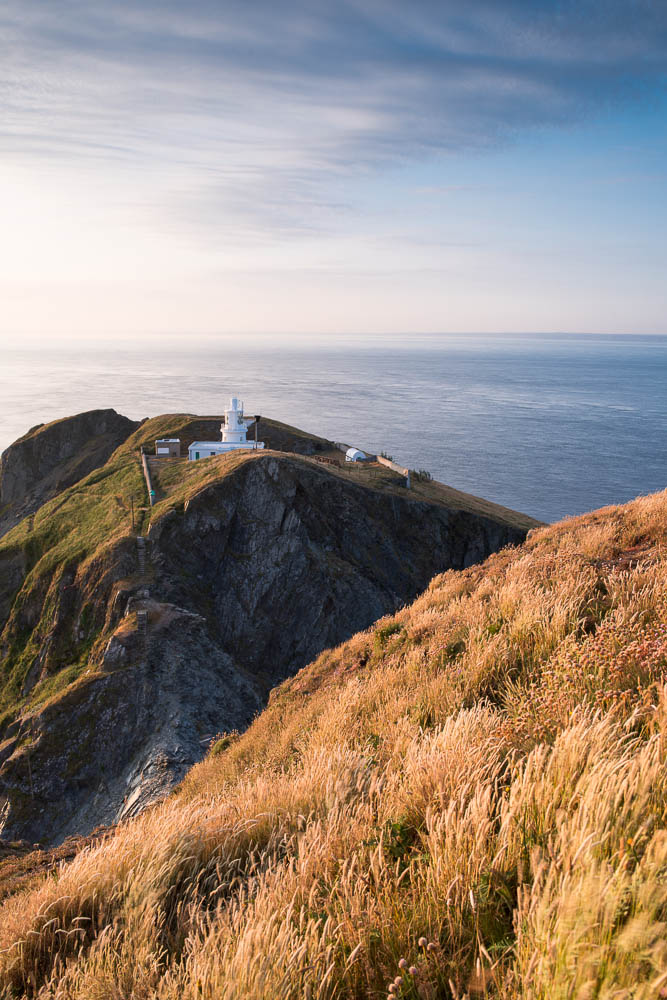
(51, 457)
(287, 559)
(119, 739)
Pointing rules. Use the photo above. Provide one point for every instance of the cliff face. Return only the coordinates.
(182, 635)
(52, 457)
(286, 559)
(118, 740)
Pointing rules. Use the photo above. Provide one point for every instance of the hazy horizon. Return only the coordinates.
(278, 339)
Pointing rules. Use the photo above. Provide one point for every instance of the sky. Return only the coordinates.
(314, 168)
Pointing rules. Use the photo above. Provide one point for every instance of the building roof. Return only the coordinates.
(206, 444)
(168, 441)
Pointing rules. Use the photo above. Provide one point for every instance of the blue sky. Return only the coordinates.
(313, 168)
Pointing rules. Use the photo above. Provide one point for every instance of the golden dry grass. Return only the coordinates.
(475, 790)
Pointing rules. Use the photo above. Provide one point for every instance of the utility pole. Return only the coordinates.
(132, 508)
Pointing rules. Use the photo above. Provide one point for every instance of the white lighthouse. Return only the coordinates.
(234, 431)
(233, 427)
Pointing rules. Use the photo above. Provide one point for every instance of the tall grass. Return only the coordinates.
(468, 799)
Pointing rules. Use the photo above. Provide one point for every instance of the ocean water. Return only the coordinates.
(549, 425)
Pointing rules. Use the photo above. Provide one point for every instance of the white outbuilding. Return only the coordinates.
(234, 430)
(354, 455)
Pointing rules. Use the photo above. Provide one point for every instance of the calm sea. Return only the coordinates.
(549, 425)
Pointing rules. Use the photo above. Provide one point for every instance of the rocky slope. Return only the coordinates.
(122, 657)
(51, 457)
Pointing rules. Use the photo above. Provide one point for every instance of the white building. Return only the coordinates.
(354, 455)
(234, 430)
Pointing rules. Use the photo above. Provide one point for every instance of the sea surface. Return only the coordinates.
(549, 425)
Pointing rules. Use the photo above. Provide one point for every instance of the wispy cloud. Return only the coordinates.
(260, 113)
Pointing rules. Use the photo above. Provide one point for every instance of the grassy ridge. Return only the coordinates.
(468, 799)
(59, 543)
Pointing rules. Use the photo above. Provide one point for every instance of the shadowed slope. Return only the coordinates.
(51, 457)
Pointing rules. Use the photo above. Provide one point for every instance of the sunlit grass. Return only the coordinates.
(468, 799)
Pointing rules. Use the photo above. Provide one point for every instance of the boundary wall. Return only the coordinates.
(147, 477)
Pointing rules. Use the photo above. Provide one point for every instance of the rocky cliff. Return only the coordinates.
(123, 657)
(53, 456)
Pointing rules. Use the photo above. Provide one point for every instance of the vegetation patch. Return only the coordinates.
(387, 632)
(222, 742)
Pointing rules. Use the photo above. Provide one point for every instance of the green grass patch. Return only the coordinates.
(386, 631)
(52, 686)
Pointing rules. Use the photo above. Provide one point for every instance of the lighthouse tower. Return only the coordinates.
(234, 431)
(233, 428)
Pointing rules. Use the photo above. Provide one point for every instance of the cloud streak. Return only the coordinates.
(260, 114)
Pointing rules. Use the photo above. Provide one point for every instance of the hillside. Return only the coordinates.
(51, 457)
(469, 798)
(132, 635)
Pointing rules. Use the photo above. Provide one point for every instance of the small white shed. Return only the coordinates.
(354, 455)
